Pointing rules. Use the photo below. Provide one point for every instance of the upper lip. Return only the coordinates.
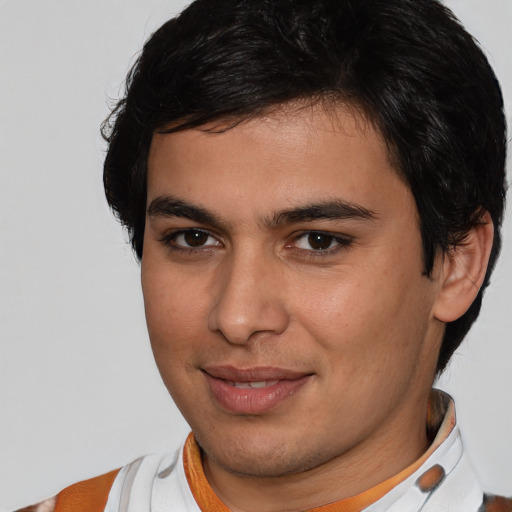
(254, 374)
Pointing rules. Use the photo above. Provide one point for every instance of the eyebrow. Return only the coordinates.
(168, 206)
(335, 209)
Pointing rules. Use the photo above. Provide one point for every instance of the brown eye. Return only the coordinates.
(188, 239)
(320, 241)
(195, 238)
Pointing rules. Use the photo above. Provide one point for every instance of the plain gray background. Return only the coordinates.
(79, 392)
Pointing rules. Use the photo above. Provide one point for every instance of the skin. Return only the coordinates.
(354, 314)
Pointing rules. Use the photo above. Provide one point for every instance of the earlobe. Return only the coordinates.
(463, 271)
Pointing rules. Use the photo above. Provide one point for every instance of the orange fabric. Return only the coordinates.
(204, 495)
(208, 501)
(89, 495)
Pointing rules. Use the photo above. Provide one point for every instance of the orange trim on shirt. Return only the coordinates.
(204, 495)
(89, 495)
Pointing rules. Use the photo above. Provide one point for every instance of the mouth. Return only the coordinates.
(253, 391)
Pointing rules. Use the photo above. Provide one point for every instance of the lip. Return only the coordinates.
(231, 387)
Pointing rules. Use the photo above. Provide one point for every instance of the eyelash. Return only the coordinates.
(169, 240)
(342, 242)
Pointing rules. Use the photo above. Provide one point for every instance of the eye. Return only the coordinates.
(319, 241)
(191, 239)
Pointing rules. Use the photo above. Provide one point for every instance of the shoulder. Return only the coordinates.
(90, 495)
(138, 478)
(496, 504)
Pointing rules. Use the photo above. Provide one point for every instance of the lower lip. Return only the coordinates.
(253, 400)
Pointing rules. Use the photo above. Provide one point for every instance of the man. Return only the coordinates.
(315, 191)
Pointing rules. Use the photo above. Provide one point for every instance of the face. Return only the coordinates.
(284, 290)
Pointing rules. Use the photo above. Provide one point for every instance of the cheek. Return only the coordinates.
(174, 313)
(173, 326)
(368, 313)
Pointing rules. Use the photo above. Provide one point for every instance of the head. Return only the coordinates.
(306, 183)
(407, 66)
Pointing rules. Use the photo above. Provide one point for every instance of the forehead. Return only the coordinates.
(295, 154)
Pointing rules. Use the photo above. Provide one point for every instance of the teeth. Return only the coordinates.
(255, 385)
(243, 385)
(263, 383)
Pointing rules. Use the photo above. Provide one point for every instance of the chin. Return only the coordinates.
(260, 458)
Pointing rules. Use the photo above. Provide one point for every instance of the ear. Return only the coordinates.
(463, 271)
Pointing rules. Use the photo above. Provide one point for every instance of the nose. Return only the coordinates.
(249, 300)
